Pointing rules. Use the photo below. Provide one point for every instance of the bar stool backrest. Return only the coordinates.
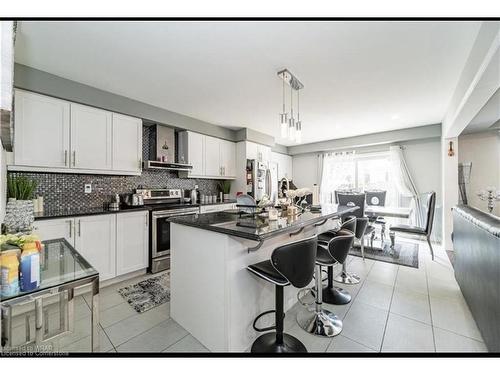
(296, 261)
(340, 244)
(349, 224)
(356, 199)
(431, 206)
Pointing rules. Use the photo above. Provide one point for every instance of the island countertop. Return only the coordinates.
(259, 228)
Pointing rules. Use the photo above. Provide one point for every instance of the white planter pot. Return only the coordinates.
(226, 197)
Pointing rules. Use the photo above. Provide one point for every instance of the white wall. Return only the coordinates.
(3, 182)
(483, 150)
(423, 158)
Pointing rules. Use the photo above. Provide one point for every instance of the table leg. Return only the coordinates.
(94, 342)
(392, 236)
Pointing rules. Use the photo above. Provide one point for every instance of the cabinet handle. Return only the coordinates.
(79, 228)
(74, 158)
(65, 158)
(70, 228)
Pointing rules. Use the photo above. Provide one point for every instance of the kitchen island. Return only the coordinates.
(213, 296)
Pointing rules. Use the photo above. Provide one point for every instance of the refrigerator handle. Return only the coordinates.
(268, 183)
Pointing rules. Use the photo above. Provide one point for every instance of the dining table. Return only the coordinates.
(386, 211)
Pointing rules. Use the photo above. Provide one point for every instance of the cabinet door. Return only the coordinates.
(228, 158)
(252, 151)
(196, 153)
(95, 240)
(41, 136)
(131, 242)
(91, 143)
(264, 154)
(289, 167)
(212, 156)
(127, 143)
(56, 228)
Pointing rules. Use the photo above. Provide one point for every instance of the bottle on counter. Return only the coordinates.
(30, 267)
(9, 273)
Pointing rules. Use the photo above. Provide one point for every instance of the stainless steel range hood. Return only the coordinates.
(162, 150)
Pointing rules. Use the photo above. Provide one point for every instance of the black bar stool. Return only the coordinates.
(292, 263)
(321, 322)
(332, 252)
(351, 224)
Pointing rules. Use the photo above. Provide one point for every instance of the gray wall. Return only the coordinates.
(45, 83)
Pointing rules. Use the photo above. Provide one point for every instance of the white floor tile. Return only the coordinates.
(375, 294)
(447, 341)
(411, 305)
(412, 279)
(365, 324)
(157, 339)
(407, 335)
(313, 344)
(187, 344)
(384, 273)
(136, 324)
(342, 344)
(84, 345)
(116, 313)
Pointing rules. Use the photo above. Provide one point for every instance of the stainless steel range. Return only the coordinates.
(162, 204)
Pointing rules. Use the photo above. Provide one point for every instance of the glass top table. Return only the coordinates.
(62, 270)
(60, 263)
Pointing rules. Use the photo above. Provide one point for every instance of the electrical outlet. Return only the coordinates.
(88, 188)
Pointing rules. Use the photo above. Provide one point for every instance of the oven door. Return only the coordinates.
(160, 234)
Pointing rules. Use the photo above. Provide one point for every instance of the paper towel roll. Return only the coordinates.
(315, 190)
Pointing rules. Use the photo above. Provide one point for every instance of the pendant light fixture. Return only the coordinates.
(298, 124)
(290, 128)
(284, 117)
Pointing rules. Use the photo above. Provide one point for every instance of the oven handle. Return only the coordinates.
(161, 215)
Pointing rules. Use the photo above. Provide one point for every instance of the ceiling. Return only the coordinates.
(359, 77)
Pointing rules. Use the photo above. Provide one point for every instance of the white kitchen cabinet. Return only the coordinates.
(91, 131)
(56, 228)
(127, 143)
(212, 157)
(258, 152)
(42, 130)
(228, 158)
(131, 242)
(252, 151)
(192, 151)
(95, 240)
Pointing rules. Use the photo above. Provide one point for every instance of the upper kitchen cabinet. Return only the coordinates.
(127, 143)
(53, 135)
(228, 158)
(258, 152)
(213, 166)
(91, 143)
(42, 128)
(210, 157)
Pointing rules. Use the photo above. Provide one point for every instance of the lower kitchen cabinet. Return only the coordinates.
(114, 244)
(131, 242)
(95, 240)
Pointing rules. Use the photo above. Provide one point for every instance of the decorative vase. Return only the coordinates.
(19, 216)
(226, 197)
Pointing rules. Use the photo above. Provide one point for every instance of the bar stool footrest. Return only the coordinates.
(265, 329)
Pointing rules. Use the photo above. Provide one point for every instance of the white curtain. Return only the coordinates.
(403, 180)
(337, 173)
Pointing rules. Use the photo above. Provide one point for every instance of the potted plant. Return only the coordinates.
(19, 213)
(225, 188)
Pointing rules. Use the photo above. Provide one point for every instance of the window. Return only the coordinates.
(347, 171)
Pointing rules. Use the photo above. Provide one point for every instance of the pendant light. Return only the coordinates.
(291, 121)
(298, 125)
(290, 128)
(284, 117)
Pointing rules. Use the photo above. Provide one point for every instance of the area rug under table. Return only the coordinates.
(148, 293)
(404, 253)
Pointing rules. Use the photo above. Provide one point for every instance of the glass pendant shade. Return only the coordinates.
(284, 125)
(298, 132)
(291, 129)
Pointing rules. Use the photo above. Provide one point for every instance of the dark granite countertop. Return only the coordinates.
(258, 228)
(62, 213)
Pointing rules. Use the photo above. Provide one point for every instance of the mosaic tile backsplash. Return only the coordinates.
(66, 191)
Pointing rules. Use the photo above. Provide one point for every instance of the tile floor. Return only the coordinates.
(394, 309)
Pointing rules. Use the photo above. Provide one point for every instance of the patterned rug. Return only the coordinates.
(405, 253)
(148, 293)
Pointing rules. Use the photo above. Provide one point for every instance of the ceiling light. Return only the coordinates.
(289, 128)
